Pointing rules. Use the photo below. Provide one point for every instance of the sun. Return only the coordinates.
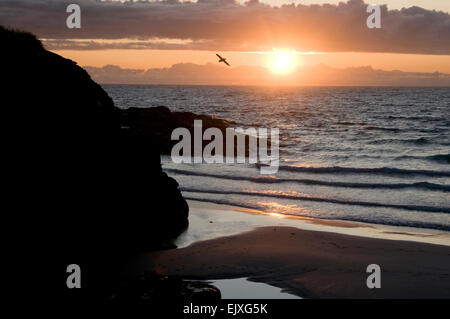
(282, 62)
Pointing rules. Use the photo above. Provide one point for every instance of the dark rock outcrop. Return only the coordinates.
(149, 288)
(88, 191)
(157, 123)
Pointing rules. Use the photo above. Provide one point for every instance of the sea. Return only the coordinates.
(378, 155)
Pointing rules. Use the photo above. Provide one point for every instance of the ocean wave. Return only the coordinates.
(418, 141)
(413, 141)
(351, 123)
(276, 180)
(361, 170)
(379, 128)
(431, 209)
(441, 158)
(438, 158)
(417, 224)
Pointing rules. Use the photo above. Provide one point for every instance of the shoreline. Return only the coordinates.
(311, 264)
(309, 260)
(210, 220)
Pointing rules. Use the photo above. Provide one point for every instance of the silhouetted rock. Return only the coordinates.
(89, 191)
(159, 122)
(153, 289)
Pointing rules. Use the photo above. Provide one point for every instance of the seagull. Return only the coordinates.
(222, 59)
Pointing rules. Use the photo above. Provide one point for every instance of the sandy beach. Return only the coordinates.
(210, 220)
(305, 261)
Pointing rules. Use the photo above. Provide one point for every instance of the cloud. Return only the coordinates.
(227, 25)
(100, 44)
(211, 74)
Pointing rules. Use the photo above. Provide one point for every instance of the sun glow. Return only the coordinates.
(282, 62)
(275, 215)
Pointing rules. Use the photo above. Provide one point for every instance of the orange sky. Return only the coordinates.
(413, 36)
(145, 59)
(231, 29)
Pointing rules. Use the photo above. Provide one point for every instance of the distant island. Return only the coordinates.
(318, 75)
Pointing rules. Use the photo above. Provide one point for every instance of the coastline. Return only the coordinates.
(310, 260)
(210, 220)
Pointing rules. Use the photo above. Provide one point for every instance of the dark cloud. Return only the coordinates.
(188, 73)
(227, 25)
(63, 44)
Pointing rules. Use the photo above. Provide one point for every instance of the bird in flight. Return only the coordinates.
(222, 59)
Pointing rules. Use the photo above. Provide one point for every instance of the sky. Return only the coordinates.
(443, 5)
(275, 34)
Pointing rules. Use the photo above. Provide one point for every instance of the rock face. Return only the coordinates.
(89, 189)
(157, 124)
(149, 288)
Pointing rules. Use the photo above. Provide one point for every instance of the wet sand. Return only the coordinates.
(209, 221)
(313, 264)
(303, 260)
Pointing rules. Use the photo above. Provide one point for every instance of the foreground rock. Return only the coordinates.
(152, 288)
(86, 191)
(105, 182)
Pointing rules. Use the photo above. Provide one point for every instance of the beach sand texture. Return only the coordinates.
(313, 264)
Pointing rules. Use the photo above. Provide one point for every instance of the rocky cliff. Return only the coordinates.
(89, 190)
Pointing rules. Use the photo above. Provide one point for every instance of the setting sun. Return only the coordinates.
(282, 62)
